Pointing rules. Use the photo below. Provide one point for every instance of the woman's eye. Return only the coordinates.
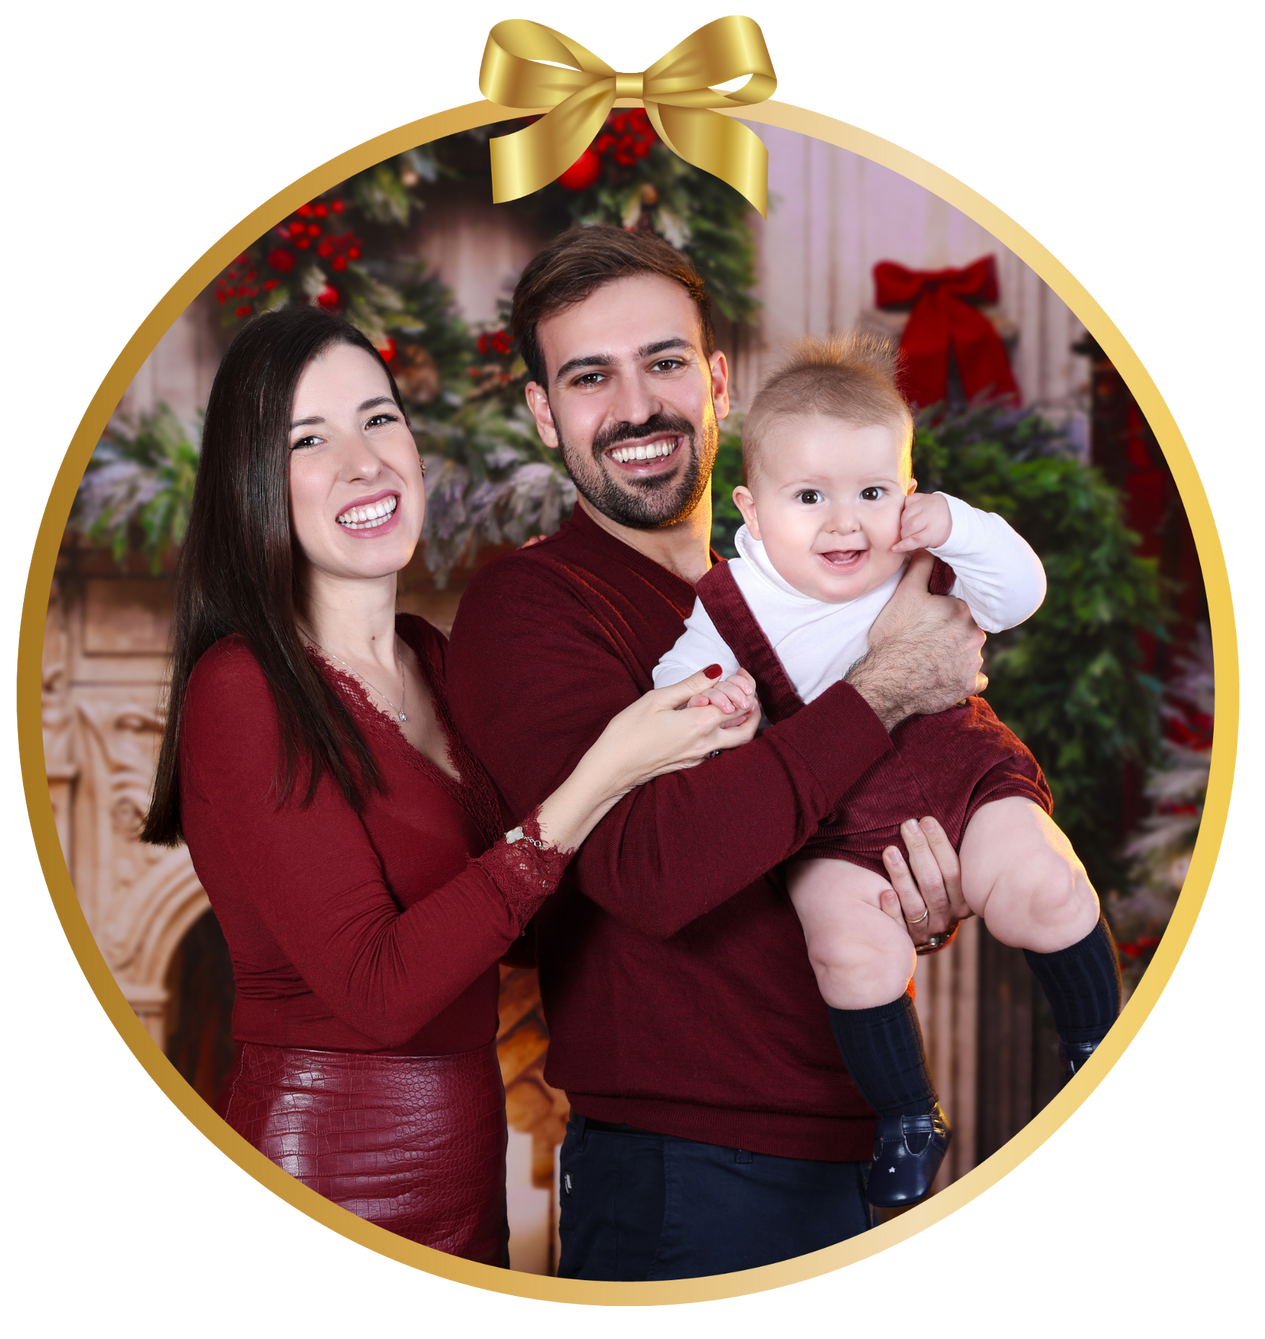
(810, 497)
(871, 494)
(378, 419)
(303, 441)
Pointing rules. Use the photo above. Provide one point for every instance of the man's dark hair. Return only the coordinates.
(579, 262)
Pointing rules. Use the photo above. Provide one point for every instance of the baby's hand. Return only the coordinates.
(925, 523)
(734, 694)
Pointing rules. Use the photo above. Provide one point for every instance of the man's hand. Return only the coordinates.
(734, 694)
(925, 523)
(926, 893)
(924, 652)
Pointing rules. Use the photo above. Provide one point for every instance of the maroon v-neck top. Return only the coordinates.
(676, 985)
(363, 932)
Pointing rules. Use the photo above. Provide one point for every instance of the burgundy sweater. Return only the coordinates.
(673, 972)
(359, 932)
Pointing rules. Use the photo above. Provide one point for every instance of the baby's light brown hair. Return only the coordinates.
(850, 377)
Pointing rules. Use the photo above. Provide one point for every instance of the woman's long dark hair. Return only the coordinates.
(237, 571)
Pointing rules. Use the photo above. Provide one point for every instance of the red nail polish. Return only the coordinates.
(712, 671)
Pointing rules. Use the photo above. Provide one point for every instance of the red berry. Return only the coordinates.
(270, 284)
(583, 172)
(387, 349)
(281, 259)
(325, 248)
(221, 297)
(303, 243)
(482, 343)
(337, 206)
(353, 253)
(320, 210)
(243, 311)
(338, 263)
(328, 298)
(313, 229)
(303, 211)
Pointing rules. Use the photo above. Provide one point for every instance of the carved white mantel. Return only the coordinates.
(104, 662)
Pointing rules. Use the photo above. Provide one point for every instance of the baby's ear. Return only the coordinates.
(746, 505)
(912, 487)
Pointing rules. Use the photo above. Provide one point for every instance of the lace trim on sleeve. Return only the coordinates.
(524, 872)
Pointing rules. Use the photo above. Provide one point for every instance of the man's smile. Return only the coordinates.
(658, 455)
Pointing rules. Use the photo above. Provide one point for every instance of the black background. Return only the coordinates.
(1117, 139)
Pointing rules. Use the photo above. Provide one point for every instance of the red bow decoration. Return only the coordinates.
(944, 318)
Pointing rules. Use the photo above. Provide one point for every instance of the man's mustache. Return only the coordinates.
(626, 432)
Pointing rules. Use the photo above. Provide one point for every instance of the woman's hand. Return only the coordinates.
(926, 895)
(655, 735)
(661, 732)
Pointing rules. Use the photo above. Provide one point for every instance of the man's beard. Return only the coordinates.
(654, 501)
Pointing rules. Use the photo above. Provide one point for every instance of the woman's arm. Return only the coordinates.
(311, 874)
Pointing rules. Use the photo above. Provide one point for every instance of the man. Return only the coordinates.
(713, 1126)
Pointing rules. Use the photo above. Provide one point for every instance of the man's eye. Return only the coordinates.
(810, 497)
(871, 494)
(669, 364)
(588, 379)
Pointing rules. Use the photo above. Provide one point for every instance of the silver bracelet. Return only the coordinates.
(518, 835)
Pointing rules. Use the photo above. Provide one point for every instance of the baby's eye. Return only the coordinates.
(810, 497)
(871, 494)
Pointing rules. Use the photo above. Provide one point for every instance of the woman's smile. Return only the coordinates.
(354, 472)
(371, 516)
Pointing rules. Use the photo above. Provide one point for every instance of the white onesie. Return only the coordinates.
(997, 574)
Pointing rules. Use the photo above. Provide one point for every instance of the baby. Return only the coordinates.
(831, 521)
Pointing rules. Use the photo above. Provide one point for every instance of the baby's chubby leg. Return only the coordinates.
(861, 956)
(863, 959)
(1020, 874)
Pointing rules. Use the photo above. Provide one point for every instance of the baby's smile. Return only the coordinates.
(826, 502)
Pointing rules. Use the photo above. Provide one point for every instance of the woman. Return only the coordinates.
(350, 845)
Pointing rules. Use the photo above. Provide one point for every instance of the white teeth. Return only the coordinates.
(654, 451)
(365, 518)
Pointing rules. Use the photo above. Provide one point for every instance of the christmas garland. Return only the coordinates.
(490, 480)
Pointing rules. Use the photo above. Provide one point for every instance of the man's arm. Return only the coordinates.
(924, 652)
(533, 676)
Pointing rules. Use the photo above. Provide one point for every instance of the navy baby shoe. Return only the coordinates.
(1073, 1054)
(908, 1151)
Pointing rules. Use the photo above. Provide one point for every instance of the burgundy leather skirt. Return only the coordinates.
(413, 1143)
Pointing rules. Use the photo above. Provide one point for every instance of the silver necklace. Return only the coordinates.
(398, 712)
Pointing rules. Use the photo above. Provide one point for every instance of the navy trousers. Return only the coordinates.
(635, 1205)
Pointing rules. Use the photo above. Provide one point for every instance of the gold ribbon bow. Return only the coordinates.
(677, 91)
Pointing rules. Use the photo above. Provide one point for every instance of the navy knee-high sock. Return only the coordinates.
(882, 1049)
(1082, 984)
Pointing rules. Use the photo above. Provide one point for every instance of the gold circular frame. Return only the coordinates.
(159, 1068)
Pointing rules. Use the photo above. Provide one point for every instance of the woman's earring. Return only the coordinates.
(422, 462)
